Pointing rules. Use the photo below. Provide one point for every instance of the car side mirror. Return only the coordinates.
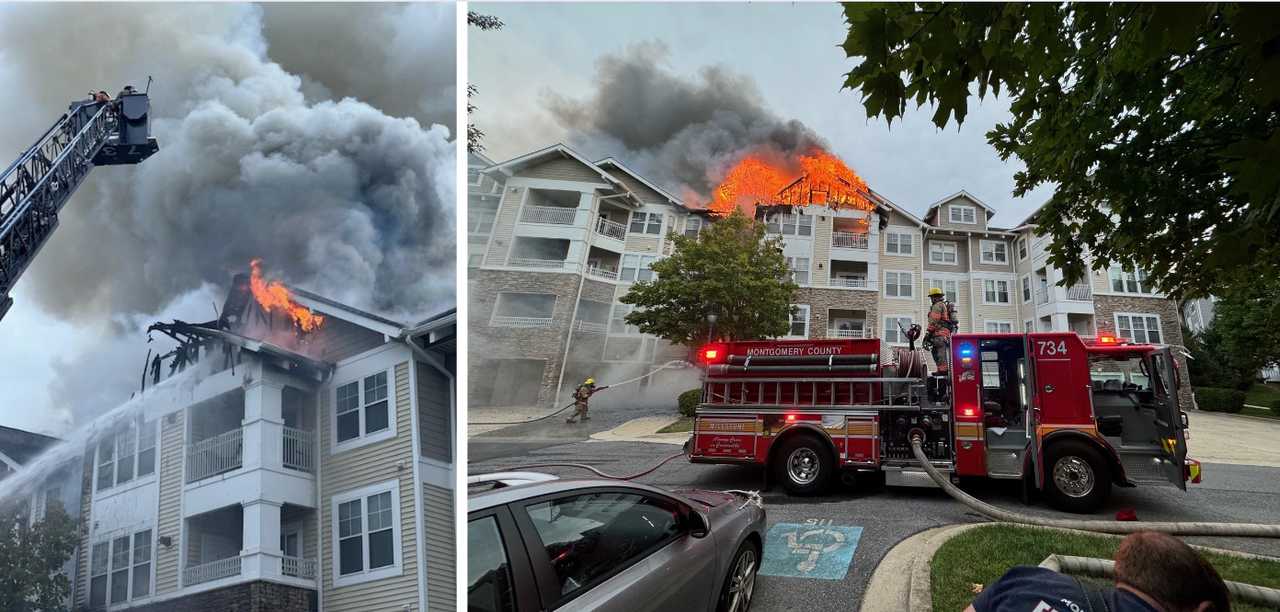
(697, 524)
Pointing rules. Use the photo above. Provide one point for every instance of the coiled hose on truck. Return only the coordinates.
(1249, 530)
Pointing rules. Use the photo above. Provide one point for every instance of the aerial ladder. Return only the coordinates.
(93, 132)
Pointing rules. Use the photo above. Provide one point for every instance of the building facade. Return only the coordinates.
(266, 468)
(555, 241)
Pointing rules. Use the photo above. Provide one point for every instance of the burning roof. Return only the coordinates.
(816, 178)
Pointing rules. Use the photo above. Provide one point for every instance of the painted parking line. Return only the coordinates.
(813, 549)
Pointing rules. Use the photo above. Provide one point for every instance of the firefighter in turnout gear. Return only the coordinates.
(581, 399)
(942, 323)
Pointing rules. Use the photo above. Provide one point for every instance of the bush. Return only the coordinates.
(1219, 400)
(689, 401)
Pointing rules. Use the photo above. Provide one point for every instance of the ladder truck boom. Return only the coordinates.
(35, 187)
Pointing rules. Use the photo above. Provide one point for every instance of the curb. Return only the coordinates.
(617, 434)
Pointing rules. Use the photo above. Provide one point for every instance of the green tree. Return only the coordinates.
(475, 136)
(730, 270)
(1156, 122)
(31, 559)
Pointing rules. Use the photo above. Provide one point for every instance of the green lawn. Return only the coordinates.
(683, 425)
(1260, 412)
(980, 556)
(1260, 392)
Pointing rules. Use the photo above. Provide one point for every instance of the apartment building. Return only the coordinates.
(264, 467)
(556, 239)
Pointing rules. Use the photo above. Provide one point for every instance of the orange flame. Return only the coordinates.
(273, 296)
(822, 179)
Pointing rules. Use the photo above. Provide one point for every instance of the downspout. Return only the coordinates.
(568, 341)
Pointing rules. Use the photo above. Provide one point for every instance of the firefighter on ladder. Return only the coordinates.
(942, 323)
(581, 399)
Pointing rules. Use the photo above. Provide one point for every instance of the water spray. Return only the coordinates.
(670, 364)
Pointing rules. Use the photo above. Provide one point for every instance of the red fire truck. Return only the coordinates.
(1067, 415)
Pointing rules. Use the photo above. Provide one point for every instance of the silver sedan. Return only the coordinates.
(539, 543)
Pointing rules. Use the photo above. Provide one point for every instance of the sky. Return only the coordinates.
(285, 133)
(790, 53)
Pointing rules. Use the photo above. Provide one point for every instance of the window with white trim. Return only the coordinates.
(1022, 248)
(692, 226)
(995, 291)
(646, 223)
(999, 327)
(1124, 280)
(942, 252)
(892, 333)
(120, 569)
(789, 224)
(636, 268)
(994, 251)
(1030, 326)
(1026, 288)
(899, 284)
(799, 321)
(618, 320)
(127, 454)
(898, 243)
(366, 526)
(1141, 328)
(363, 408)
(963, 214)
(950, 288)
(799, 269)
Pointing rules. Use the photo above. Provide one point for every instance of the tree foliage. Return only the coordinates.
(731, 270)
(1157, 122)
(475, 136)
(31, 559)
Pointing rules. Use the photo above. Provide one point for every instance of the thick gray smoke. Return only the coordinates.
(316, 161)
(682, 132)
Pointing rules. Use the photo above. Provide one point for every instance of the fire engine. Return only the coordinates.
(1069, 416)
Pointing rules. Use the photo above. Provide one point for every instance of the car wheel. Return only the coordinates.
(1077, 478)
(740, 583)
(804, 465)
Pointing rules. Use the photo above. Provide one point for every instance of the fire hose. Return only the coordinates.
(596, 471)
(1199, 528)
(669, 364)
(1105, 568)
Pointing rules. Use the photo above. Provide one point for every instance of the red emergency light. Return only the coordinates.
(1106, 339)
(713, 353)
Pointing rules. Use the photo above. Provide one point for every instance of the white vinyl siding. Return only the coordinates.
(1137, 327)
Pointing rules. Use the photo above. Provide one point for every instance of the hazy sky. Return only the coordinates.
(790, 51)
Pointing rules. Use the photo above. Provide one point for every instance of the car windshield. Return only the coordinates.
(1119, 375)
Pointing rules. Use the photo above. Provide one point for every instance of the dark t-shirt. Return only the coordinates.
(1036, 589)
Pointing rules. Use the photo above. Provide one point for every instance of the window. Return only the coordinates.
(799, 269)
(950, 288)
(618, 321)
(1129, 281)
(892, 333)
(789, 224)
(98, 566)
(366, 532)
(899, 284)
(363, 407)
(141, 585)
(942, 252)
(999, 327)
(127, 454)
(480, 220)
(994, 252)
(119, 569)
(995, 291)
(1030, 327)
(1026, 289)
(594, 535)
(963, 214)
(898, 243)
(488, 573)
(1022, 248)
(692, 226)
(636, 268)
(799, 321)
(646, 223)
(1139, 328)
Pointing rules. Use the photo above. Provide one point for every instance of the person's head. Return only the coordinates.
(590, 382)
(935, 294)
(1170, 573)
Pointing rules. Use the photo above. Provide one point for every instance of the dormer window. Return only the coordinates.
(963, 214)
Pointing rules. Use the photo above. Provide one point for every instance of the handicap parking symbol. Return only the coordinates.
(813, 549)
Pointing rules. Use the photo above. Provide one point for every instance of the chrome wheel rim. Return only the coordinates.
(1073, 476)
(742, 583)
(802, 466)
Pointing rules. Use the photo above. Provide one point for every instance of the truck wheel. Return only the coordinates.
(804, 465)
(1077, 479)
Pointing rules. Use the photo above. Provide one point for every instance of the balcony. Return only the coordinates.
(215, 455)
(555, 215)
(865, 332)
(213, 570)
(591, 327)
(298, 567)
(531, 262)
(528, 322)
(1080, 293)
(603, 272)
(853, 282)
(299, 450)
(849, 240)
(610, 229)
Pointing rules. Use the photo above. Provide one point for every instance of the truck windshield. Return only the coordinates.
(1119, 375)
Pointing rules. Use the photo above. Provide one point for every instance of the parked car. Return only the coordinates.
(536, 542)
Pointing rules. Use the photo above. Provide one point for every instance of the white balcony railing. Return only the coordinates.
(854, 283)
(505, 321)
(533, 262)
(299, 449)
(558, 215)
(1080, 293)
(849, 240)
(612, 229)
(604, 272)
(298, 567)
(213, 570)
(212, 456)
(865, 332)
(591, 327)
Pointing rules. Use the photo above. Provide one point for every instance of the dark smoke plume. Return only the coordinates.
(682, 132)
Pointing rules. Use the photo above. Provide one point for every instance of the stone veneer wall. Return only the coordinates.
(1105, 307)
(257, 596)
(820, 301)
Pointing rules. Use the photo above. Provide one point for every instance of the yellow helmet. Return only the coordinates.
(935, 291)
(590, 381)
